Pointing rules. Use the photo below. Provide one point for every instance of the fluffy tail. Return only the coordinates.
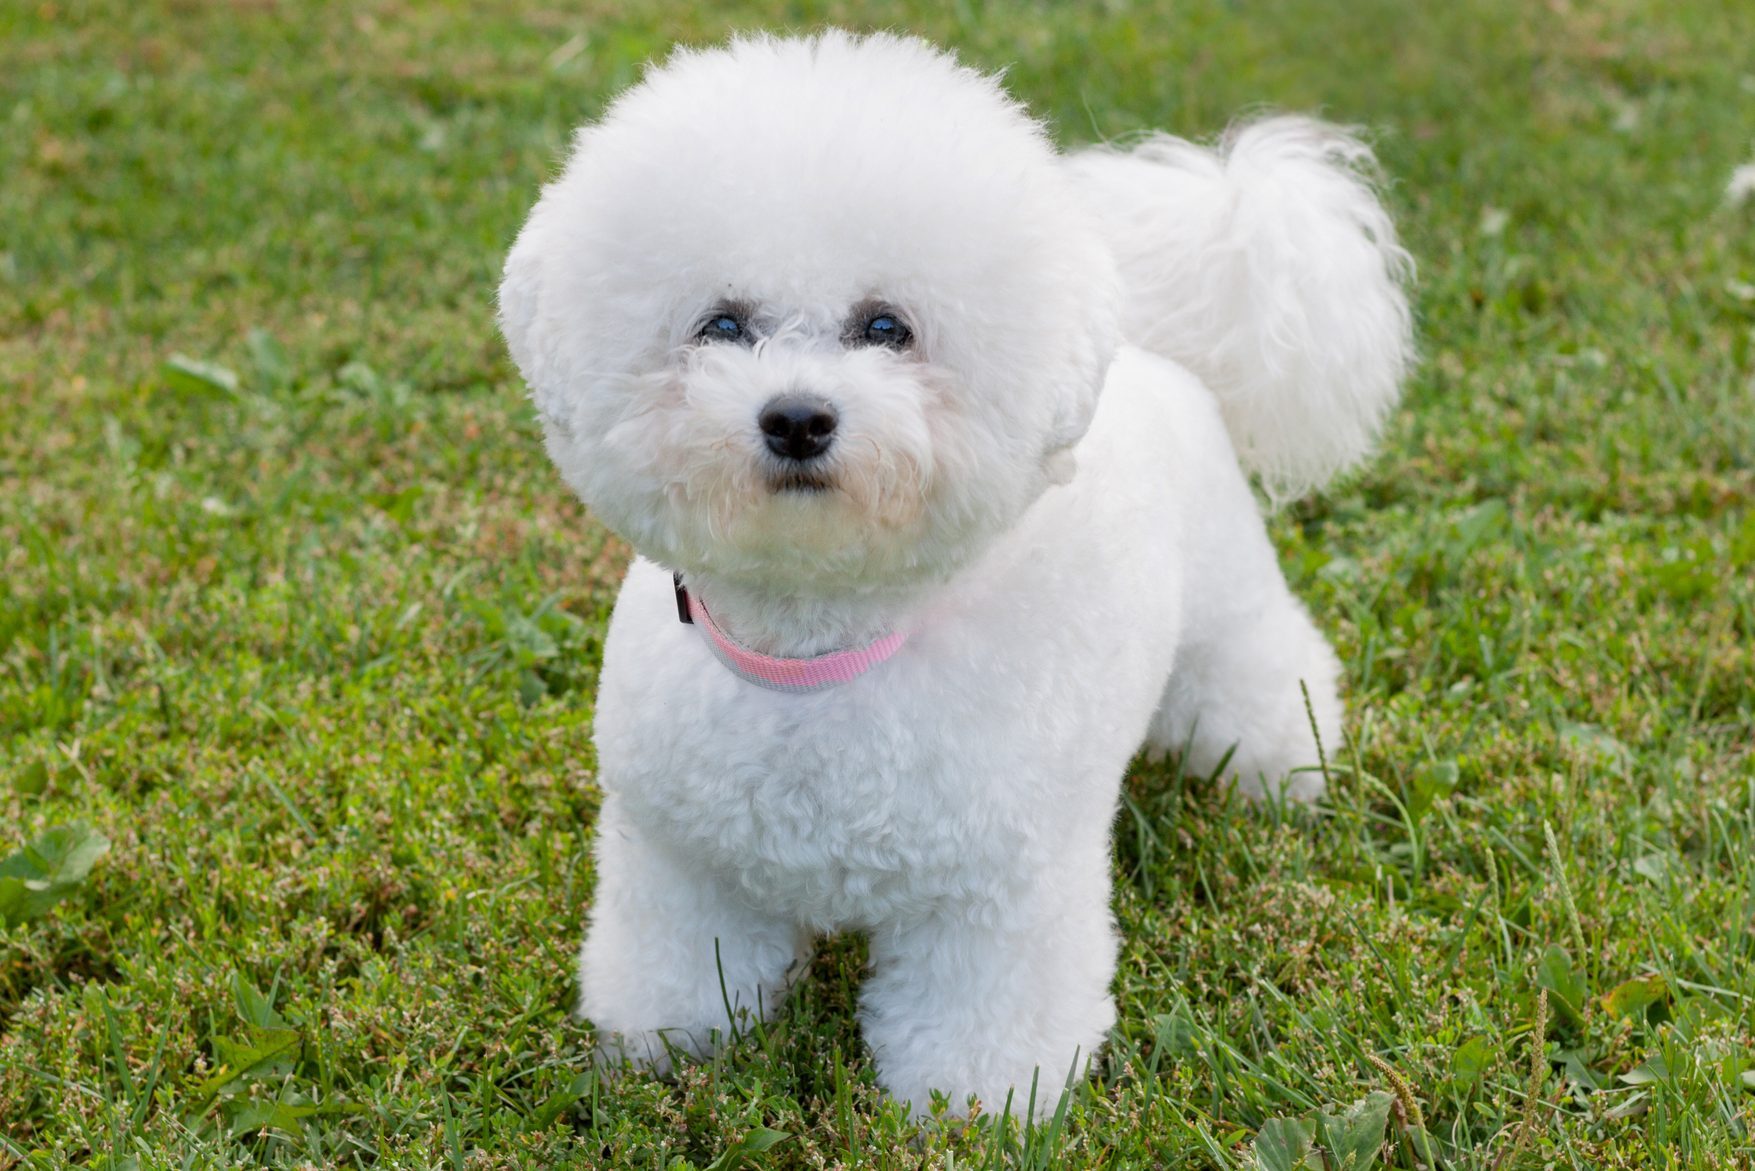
(1267, 266)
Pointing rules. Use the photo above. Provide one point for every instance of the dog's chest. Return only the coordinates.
(837, 811)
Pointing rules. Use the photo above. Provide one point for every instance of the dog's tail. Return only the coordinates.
(1266, 265)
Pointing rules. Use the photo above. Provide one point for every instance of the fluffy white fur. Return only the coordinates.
(1044, 490)
(1289, 311)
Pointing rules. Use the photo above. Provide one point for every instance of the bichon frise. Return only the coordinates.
(932, 443)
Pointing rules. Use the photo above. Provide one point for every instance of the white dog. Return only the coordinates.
(940, 432)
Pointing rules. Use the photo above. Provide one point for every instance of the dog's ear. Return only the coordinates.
(520, 295)
(521, 283)
(1084, 365)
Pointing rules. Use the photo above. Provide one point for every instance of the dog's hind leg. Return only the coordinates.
(1248, 652)
(673, 960)
(1236, 699)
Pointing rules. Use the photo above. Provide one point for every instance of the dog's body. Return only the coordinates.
(955, 802)
(1076, 575)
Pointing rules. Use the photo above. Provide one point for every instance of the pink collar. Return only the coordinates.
(796, 676)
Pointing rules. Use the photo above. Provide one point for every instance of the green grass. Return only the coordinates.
(295, 617)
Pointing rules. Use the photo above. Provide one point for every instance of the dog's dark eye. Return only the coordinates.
(721, 327)
(886, 329)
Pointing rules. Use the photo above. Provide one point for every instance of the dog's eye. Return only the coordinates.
(721, 327)
(885, 329)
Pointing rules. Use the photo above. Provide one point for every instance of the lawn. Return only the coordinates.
(299, 632)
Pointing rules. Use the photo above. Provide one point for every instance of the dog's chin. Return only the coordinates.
(801, 529)
(799, 482)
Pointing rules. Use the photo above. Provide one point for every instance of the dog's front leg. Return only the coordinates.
(674, 959)
(982, 998)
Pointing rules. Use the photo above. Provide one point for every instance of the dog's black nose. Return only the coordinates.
(798, 427)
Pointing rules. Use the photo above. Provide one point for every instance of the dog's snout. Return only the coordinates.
(797, 426)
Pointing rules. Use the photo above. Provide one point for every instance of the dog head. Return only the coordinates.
(820, 313)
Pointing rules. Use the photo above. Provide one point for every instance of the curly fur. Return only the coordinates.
(1044, 491)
